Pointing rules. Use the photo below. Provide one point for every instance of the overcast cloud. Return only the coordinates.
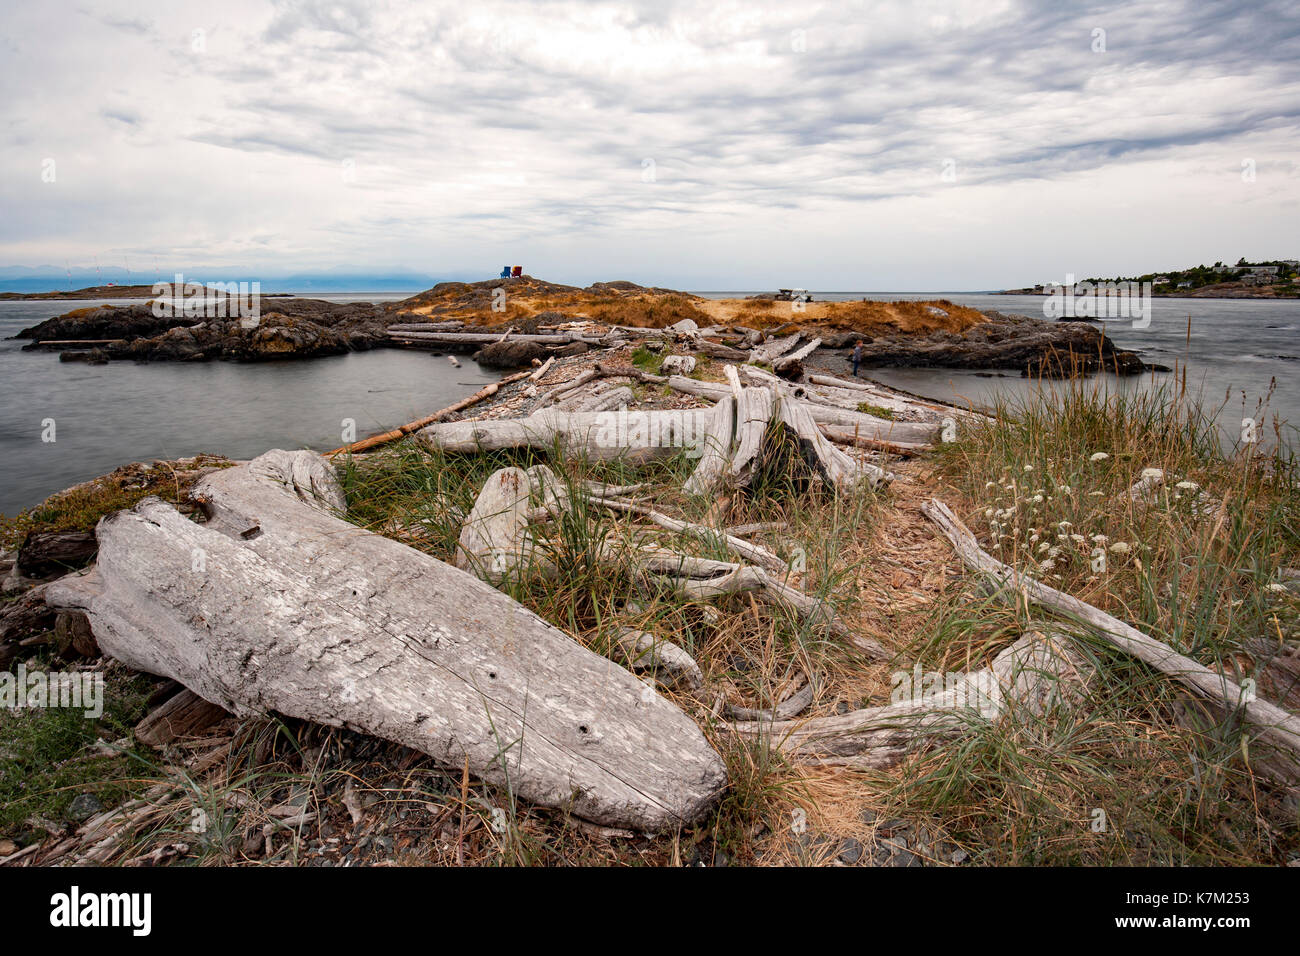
(709, 145)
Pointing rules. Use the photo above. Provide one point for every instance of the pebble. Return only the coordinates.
(83, 807)
(850, 850)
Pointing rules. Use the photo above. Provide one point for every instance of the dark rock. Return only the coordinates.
(1013, 342)
(573, 348)
(83, 807)
(850, 850)
(508, 354)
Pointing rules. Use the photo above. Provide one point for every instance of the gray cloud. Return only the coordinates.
(686, 142)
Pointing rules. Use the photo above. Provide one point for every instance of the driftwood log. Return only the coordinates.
(278, 605)
(1032, 677)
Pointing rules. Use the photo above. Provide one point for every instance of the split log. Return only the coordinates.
(494, 540)
(869, 426)
(843, 473)
(1276, 728)
(770, 352)
(298, 612)
(184, 714)
(715, 449)
(754, 410)
(791, 365)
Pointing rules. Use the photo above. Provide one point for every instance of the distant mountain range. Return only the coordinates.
(47, 278)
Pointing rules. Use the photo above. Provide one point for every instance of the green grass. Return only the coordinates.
(1177, 784)
(46, 758)
(876, 410)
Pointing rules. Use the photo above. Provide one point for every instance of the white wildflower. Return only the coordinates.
(1098, 456)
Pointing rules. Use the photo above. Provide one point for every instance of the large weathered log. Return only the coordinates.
(276, 604)
(494, 541)
(602, 435)
(773, 350)
(791, 366)
(1275, 726)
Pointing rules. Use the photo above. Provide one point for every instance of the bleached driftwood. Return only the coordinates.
(869, 426)
(277, 605)
(773, 350)
(602, 435)
(1031, 678)
(1275, 726)
(715, 449)
(494, 540)
(671, 665)
(788, 708)
(791, 365)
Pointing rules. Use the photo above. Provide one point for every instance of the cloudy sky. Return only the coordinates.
(706, 145)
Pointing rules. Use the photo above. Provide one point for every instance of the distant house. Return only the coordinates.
(1263, 270)
(1226, 268)
(1161, 280)
(1184, 285)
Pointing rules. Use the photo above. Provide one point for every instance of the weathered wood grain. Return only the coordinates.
(295, 611)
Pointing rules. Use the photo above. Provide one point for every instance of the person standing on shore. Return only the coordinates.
(857, 358)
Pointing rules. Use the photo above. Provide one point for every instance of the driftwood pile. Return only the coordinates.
(276, 603)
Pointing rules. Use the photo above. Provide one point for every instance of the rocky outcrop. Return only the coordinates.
(1028, 345)
(285, 328)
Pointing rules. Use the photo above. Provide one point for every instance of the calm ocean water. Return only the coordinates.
(1234, 351)
(108, 415)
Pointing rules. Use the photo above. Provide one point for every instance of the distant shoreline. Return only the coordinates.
(1208, 293)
